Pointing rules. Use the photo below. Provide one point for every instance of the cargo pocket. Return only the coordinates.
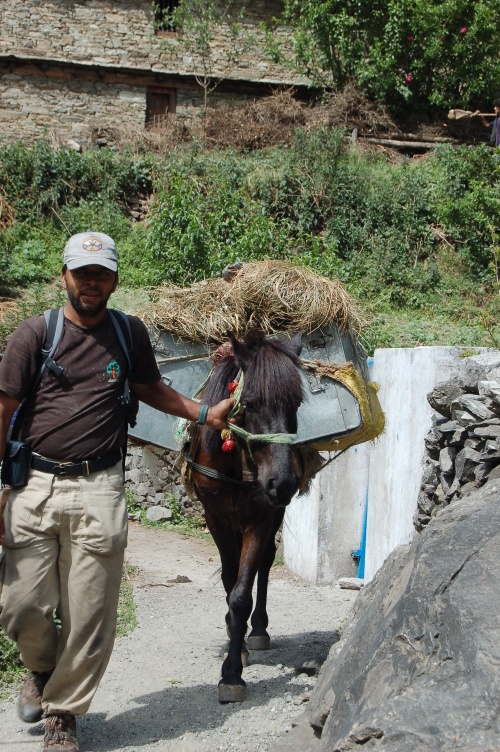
(104, 524)
(23, 511)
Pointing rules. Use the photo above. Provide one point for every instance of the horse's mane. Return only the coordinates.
(272, 375)
(224, 372)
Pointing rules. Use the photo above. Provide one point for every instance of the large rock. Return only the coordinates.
(417, 669)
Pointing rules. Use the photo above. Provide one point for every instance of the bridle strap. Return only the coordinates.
(210, 473)
(246, 436)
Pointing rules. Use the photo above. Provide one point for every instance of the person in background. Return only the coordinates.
(65, 531)
(493, 124)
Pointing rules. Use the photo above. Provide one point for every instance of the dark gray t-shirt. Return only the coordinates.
(79, 416)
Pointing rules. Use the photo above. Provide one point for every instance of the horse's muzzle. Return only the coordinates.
(280, 490)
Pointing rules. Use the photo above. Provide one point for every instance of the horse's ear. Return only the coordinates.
(241, 351)
(296, 343)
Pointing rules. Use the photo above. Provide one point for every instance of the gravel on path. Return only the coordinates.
(160, 690)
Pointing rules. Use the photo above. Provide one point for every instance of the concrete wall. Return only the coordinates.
(405, 377)
(322, 529)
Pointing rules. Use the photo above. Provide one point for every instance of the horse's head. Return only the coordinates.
(271, 395)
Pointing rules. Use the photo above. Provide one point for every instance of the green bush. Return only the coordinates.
(38, 180)
(203, 222)
(411, 54)
(11, 668)
(411, 236)
(466, 197)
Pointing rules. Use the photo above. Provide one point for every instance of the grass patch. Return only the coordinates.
(127, 612)
(12, 671)
(193, 527)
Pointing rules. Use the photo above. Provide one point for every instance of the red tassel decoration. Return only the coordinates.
(228, 445)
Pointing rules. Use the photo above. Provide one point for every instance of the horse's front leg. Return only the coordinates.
(259, 639)
(232, 687)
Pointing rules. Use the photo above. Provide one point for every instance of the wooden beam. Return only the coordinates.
(401, 144)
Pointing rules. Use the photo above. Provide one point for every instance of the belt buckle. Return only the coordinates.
(86, 467)
(60, 469)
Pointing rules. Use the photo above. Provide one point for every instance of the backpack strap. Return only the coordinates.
(124, 334)
(54, 322)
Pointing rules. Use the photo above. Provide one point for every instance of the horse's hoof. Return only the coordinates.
(232, 692)
(258, 642)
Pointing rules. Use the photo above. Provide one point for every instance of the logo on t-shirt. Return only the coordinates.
(113, 370)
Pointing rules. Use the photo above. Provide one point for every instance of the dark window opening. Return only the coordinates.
(163, 15)
(160, 103)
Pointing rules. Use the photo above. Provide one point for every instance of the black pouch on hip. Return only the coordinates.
(16, 464)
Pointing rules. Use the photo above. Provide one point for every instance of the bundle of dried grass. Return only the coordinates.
(204, 312)
(256, 124)
(280, 296)
(268, 296)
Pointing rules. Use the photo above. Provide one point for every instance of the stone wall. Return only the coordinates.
(152, 475)
(120, 33)
(463, 445)
(38, 106)
(35, 107)
(69, 68)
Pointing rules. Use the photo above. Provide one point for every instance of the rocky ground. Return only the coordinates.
(160, 690)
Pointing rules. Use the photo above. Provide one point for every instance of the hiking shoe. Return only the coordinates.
(60, 733)
(29, 702)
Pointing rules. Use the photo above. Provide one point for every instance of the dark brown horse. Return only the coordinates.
(245, 491)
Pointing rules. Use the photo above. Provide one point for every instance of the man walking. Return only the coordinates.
(66, 529)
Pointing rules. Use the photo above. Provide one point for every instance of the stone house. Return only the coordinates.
(73, 67)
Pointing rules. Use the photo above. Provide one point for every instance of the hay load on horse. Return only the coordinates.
(293, 396)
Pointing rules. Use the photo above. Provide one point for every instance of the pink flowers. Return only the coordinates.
(410, 38)
(463, 30)
(408, 78)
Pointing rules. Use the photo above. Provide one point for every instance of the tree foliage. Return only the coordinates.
(197, 22)
(408, 53)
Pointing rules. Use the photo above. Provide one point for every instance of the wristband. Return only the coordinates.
(202, 417)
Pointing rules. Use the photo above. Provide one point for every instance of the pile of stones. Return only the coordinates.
(152, 475)
(463, 445)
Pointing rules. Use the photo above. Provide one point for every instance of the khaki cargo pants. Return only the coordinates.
(64, 546)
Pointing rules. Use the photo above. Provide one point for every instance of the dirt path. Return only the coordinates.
(160, 690)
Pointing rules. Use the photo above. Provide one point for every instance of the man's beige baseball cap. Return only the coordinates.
(88, 248)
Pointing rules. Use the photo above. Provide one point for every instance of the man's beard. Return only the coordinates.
(86, 310)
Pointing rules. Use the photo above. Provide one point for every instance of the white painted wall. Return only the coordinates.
(300, 533)
(405, 377)
(322, 529)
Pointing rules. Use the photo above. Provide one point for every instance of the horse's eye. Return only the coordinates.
(249, 407)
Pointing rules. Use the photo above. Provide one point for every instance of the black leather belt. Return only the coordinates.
(74, 469)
